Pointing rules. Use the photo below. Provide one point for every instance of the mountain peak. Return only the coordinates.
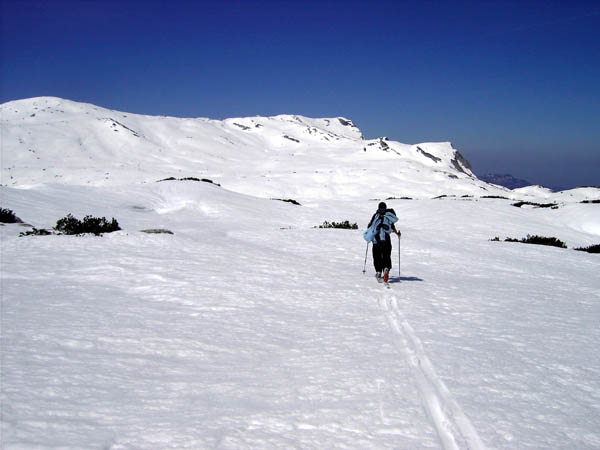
(52, 140)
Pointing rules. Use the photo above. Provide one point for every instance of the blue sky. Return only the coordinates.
(515, 85)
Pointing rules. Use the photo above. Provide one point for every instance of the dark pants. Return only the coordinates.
(382, 255)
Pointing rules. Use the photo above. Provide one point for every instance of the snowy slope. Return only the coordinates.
(250, 328)
(52, 140)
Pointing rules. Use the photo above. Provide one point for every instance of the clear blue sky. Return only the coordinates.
(515, 85)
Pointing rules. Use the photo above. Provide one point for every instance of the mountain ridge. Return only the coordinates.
(52, 140)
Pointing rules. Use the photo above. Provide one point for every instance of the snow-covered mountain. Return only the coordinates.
(51, 140)
(249, 327)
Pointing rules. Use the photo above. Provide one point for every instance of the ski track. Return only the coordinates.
(454, 429)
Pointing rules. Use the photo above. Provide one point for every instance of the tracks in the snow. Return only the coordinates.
(452, 425)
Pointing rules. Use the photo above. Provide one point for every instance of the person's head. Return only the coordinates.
(381, 209)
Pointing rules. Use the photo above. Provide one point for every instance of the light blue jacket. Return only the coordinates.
(387, 221)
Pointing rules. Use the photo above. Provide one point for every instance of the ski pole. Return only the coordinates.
(366, 252)
(399, 234)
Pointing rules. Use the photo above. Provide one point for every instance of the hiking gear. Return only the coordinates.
(399, 234)
(386, 275)
(378, 276)
(366, 252)
(382, 252)
(380, 226)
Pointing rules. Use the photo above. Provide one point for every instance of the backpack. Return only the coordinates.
(380, 226)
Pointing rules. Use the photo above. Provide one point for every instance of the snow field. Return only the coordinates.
(248, 328)
(130, 359)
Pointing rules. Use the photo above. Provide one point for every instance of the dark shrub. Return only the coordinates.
(511, 240)
(8, 216)
(538, 240)
(36, 232)
(89, 224)
(541, 240)
(344, 225)
(536, 205)
(590, 249)
(206, 180)
(289, 200)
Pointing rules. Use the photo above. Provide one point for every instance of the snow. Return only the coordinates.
(250, 328)
(282, 156)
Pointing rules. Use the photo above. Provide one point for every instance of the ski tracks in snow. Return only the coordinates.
(452, 425)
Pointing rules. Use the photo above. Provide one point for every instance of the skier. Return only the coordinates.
(378, 232)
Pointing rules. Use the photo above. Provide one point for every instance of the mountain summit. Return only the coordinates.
(52, 140)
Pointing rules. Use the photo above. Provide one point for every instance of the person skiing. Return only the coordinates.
(378, 232)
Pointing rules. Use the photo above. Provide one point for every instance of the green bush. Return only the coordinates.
(95, 225)
(36, 232)
(536, 205)
(538, 240)
(344, 225)
(7, 216)
(590, 249)
(541, 240)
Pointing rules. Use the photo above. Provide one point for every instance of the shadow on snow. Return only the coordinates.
(399, 279)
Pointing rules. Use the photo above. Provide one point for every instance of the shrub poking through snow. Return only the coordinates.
(205, 180)
(538, 240)
(344, 225)
(590, 249)
(289, 200)
(36, 232)
(95, 225)
(8, 216)
(541, 240)
(536, 205)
